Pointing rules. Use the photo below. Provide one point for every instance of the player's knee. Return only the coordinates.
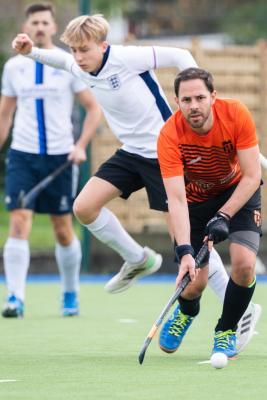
(63, 237)
(20, 224)
(243, 272)
(79, 210)
(84, 212)
(63, 229)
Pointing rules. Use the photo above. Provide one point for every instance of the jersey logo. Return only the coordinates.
(195, 160)
(114, 82)
(227, 146)
(204, 185)
(7, 199)
(257, 218)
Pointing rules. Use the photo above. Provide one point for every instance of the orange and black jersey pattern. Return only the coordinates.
(209, 163)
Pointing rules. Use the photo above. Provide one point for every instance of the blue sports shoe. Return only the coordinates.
(173, 331)
(225, 342)
(70, 304)
(13, 308)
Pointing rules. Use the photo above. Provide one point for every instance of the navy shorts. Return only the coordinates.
(131, 172)
(25, 170)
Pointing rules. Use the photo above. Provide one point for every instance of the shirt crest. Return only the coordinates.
(114, 81)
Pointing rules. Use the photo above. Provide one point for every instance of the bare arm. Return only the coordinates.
(179, 216)
(178, 209)
(249, 160)
(7, 109)
(91, 121)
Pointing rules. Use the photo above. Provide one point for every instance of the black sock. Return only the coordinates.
(190, 307)
(236, 301)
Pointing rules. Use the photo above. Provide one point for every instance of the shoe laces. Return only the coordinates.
(223, 339)
(180, 323)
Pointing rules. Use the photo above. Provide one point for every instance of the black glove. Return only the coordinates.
(217, 229)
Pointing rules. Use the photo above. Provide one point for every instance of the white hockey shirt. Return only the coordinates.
(127, 89)
(45, 97)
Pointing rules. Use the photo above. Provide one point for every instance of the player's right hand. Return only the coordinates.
(22, 44)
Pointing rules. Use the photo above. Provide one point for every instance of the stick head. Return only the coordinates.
(141, 357)
(143, 350)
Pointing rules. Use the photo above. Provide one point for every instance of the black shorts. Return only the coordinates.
(131, 172)
(25, 170)
(246, 219)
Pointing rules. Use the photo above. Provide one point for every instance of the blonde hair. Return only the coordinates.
(86, 27)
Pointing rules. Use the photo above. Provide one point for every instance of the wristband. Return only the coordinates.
(223, 214)
(182, 250)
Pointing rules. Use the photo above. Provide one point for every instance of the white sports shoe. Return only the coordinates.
(128, 274)
(246, 326)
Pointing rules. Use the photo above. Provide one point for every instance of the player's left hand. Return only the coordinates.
(77, 154)
(217, 229)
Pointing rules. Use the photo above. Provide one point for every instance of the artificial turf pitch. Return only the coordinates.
(95, 356)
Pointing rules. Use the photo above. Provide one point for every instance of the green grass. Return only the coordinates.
(94, 356)
(42, 235)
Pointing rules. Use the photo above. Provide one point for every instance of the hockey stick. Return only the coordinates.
(25, 199)
(185, 281)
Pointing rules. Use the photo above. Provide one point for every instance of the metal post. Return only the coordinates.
(84, 7)
(85, 169)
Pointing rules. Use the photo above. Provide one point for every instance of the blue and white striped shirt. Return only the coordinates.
(45, 98)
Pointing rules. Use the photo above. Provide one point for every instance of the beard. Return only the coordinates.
(197, 120)
(196, 124)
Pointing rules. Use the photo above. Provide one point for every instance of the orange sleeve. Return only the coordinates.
(169, 155)
(245, 131)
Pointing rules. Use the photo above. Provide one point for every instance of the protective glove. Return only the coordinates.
(217, 229)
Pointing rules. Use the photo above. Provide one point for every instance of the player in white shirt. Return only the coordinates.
(41, 97)
(52, 96)
(123, 81)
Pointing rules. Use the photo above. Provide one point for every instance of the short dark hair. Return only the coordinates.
(194, 73)
(36, 7)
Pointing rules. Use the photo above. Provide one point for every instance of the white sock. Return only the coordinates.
(108, 229)
(16, 264)
(69, 262)
(218, 277)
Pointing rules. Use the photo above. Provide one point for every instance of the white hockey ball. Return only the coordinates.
(219, 360)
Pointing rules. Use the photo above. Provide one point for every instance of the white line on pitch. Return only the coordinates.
(204, 362)
(127, 320)
(8, 380)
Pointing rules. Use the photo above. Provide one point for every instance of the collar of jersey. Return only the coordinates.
(105, 57)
